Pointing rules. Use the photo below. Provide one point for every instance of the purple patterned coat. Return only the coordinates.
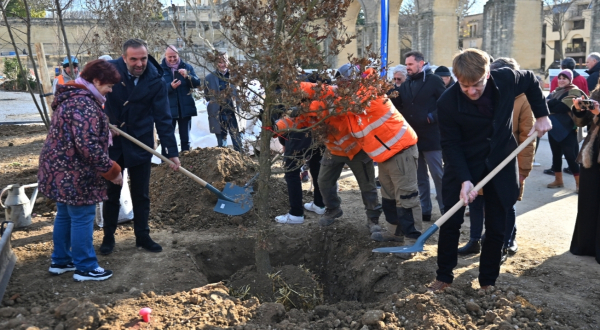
(75, 154)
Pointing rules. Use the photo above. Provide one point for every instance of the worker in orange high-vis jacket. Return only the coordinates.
(341, 148)
(386, 137)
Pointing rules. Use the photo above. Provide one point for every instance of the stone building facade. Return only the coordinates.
(567, 32)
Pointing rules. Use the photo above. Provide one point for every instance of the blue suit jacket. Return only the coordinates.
(136, 109)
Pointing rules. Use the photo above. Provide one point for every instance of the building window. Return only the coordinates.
(556, 22)
(544, 31)
(472, 31)
(579, 25)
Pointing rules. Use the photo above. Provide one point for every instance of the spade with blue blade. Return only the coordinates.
(234, 200)
(420, 243)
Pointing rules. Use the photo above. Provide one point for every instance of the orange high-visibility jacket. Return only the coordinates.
(381, 130)
(339, 140)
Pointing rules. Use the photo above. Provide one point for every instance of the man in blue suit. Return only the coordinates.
(136, 105)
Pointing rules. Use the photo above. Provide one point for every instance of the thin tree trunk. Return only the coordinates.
(35, 70)
(12, 39)
(262, 200)
(65, 40)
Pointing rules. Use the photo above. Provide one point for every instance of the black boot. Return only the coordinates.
(407, 222)
(108, 244)
(148, 244)
(472, 247)
(426, 217)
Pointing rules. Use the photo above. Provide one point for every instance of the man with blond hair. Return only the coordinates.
(475, 118)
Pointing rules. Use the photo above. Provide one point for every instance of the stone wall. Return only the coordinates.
(513, 28)
(498, 19)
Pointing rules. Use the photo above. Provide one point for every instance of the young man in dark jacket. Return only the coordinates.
(180, 80)
(417, 103)
(476, 135)
(135, 106)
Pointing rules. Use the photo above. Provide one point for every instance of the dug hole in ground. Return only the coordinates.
(323, 278)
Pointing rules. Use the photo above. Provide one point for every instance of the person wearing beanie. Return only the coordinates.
(563, 136)
(444, 73)
(578, 80)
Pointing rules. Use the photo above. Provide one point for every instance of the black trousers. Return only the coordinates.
(491, 251)
(185, 125)
(294, 182)
(139, 179)
(569, 147)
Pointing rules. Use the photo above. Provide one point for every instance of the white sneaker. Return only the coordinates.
(313, 208)
(291, 219)
(536, 164)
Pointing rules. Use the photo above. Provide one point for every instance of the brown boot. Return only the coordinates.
(576, 184)
(558, 181)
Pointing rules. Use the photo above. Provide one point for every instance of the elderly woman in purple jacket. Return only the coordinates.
(74, 168)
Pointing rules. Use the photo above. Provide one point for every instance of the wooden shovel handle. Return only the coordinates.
(157, 154)
(485, 180)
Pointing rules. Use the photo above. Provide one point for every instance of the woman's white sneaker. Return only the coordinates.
(98, 274)
(313, 208)
(291, 219)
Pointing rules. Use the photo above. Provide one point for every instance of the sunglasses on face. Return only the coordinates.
(397, 79)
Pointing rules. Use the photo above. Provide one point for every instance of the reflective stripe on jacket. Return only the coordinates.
(339, 139)
(381, 130)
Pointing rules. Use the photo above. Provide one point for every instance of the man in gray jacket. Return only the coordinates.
(221, 114)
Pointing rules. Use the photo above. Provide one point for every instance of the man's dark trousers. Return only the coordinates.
(139, 177)
(491, 251)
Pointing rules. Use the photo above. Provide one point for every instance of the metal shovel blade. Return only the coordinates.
(242, 200)
(417, 247)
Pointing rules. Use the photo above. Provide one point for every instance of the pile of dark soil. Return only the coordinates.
(213, 307)
(180, 202)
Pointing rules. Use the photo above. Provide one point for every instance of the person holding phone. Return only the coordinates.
(586, 236)
(180, 79)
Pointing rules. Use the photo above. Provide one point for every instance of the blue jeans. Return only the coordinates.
(73, 236)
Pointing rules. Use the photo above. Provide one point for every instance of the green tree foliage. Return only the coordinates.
(16, 8)
(16, 80)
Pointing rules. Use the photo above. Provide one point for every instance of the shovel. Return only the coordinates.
(234, 200)
(420, 243)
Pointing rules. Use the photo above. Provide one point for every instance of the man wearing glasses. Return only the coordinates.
(416, 101)
(475, 118)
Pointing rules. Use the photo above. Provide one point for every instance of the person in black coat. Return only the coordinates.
(180, 79)
(444, 73)
(476, 135)
(417, 103)
(135, 106)
(593, 71)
